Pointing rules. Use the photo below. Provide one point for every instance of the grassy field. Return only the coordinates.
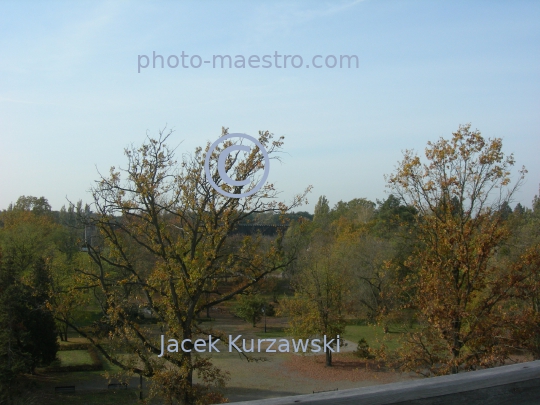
(373, 334)
(87, 316)
(74, 357)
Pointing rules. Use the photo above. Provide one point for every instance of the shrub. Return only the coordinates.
(363, 351)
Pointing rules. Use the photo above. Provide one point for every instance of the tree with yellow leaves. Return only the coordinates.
(461, 294)
(167, 246)
(321, 282)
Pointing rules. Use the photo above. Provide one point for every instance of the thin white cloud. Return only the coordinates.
(282, 17)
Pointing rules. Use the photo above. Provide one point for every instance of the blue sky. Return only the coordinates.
(71, 98)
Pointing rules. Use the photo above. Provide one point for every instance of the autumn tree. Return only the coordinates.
(31, 232)
(250, 308)
(67, 298)
(460, 293)
(28, 242)
(366, 256)
(524, 312)
(393, 237)
(522, 250)
(350, 242)
(358, 210)
(362, 254)
(321, 289)
(27, 327)
(367, 240)
(36, 205)
(168, 245)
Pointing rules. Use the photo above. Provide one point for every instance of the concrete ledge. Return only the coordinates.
(517, 384)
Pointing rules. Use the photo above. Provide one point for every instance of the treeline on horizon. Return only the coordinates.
(66, 216)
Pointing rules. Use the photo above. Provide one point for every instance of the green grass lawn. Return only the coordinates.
(87, 316)
(373, 334)
(108, 366)
(74, 357)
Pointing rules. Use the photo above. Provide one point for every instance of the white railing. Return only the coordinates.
(517, 384)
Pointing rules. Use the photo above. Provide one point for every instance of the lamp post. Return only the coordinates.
(141, 384)
(140, 372)
(264, 313)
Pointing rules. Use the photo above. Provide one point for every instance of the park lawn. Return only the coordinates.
(73, 341)
(86, 316)
(373, 334)
(104, 397)
(74, 357)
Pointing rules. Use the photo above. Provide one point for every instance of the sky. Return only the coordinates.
(72, 95)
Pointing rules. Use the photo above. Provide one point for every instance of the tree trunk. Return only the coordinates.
(328, 358)
(457, 345)
(62, 334)
(188, 394)
(188, 398)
